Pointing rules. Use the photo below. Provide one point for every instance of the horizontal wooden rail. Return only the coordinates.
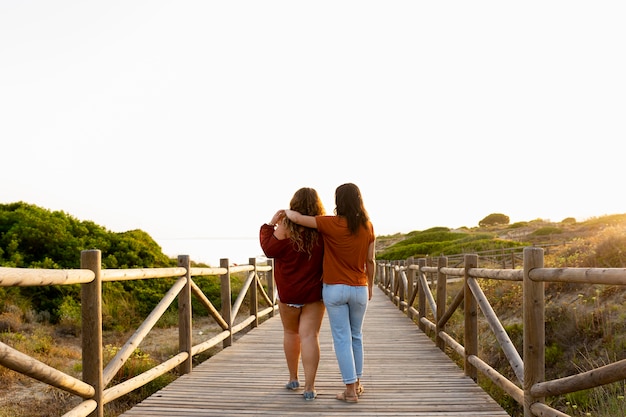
(27, 277)
(606, 276)
(418, 288)
(96, 376)
(600, 376)
(110, 275)
(142, 379)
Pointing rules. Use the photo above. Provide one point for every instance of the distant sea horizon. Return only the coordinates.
(210, 250)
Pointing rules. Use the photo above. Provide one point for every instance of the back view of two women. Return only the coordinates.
(347, 275)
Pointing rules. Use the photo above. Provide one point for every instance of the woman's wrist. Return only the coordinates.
(276, 218)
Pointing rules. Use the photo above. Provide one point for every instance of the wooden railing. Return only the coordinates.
(504, 258)
(94, 387)
(407, 285)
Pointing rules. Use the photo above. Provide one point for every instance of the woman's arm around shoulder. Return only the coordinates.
(301, 219)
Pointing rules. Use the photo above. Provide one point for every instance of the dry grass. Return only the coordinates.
(585, 324)
(25, 397)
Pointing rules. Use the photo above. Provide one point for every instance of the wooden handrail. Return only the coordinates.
(29, 277)
(110, 275)
(600, 376)
(96, 376)
(529, 369)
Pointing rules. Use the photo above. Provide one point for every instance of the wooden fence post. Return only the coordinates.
(401, 288)
(271, 285)
(412, 283)
(394, 281)
(184, 317)
(442, 262)
(254, 294)
(429, 262)
(534, 328)
(421, 295)
(385, 275)
(91, 310)
(471, 318)
(226, 301)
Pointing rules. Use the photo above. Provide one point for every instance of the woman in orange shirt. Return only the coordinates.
(298, 253)
(348, 276)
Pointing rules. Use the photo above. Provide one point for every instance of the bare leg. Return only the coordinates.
(290, 316)
(310, 324)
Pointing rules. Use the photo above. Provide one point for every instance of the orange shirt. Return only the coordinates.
(345, 255)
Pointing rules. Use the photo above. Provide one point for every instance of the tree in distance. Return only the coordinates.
(494, 219)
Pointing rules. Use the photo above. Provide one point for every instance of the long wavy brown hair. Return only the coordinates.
(307, 202)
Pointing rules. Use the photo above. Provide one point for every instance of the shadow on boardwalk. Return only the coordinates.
(405, 375)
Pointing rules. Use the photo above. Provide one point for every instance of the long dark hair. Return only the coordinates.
(307, 202)
(349, 204)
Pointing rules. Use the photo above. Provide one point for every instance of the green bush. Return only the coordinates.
(494, 219)
(211, 287)
(70, 315)
(136, 364)
(440, 241)
(33, 237)
(546, 231)
(553, 354)
(518, 225)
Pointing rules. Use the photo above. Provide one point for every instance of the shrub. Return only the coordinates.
(518, 225)
(69, 314)
(610, 251)
(553, 354)
(10, 322)
(136, 364)
(494, 219)
(546, 231)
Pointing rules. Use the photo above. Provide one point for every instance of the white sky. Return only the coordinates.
(201, 118)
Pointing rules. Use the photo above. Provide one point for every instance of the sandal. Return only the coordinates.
(360, 390)
(343, 396)
(292, 385)
(309, 395)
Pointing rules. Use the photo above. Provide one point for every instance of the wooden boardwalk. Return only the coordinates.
(405, 375)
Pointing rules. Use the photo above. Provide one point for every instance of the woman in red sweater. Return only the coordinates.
(298, 253)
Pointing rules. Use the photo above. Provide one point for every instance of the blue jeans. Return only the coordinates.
(346, 306)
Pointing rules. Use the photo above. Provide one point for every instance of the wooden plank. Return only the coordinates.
(405, 375)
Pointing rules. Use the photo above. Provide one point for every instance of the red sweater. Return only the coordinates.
(298, 276)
